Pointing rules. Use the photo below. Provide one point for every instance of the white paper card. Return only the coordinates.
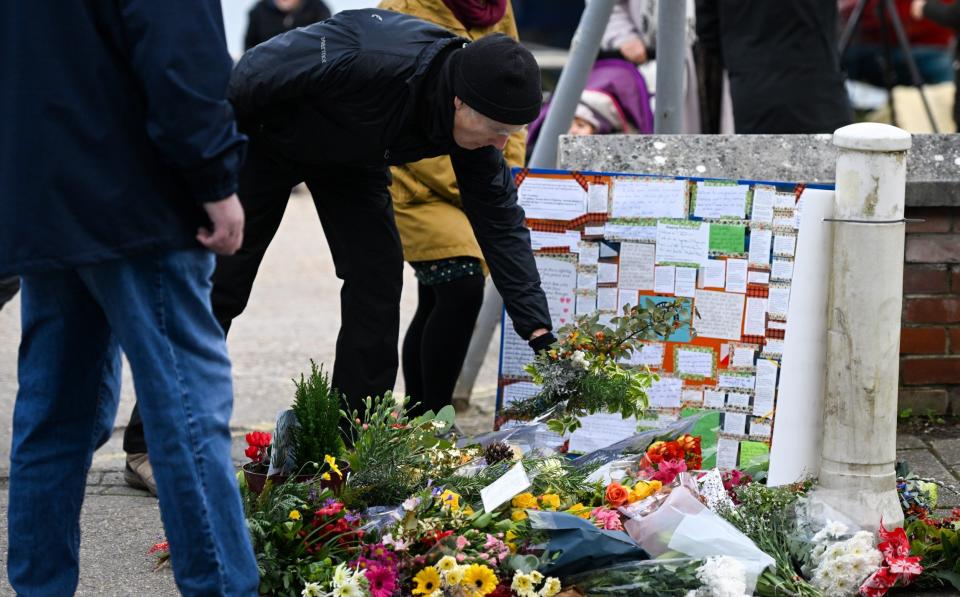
(593, 230)
(714, 399)
(784, 245)
(551, 198)
(755, 322)
(720, 314)
(650, 355)
(569, 240)
(518, 391)
(738, 400)
(683, 243)
(619, 231)
(735, 423)
(502, 490)
(558, 278)
(636, 265)
(715, 273)
(586, 303)
(665, 393)
(649, 199)
(626, 296)
(728, 450)
(597, 198)
(766, 387)
(663, 279)
(606, 273)
(773, 346)
(589, 253)
(759, 428)
(742, 357)
(721, 200)
(516, 352)
(606, 299)
(782, 269)
(587, 279)
(758, 277)
(691, 396)
(763, 198)
(760, 243)
(736, 382)
(686, 282)
(736, 275)
(779, 300)
(601, 430)
(694, 362)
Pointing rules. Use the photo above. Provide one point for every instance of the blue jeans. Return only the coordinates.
(156, 308)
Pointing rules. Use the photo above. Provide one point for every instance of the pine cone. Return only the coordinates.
(497, 452)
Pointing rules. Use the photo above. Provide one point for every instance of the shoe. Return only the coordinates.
(139, 474)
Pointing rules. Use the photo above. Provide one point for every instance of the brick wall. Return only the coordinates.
(930, 335)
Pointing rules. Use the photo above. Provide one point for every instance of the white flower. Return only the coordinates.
(341, 575)
(579, 359)
(311, 589)
(454, 576)
(723, 576)
(410, 504)
(550, 588)
(348, 589)
(835, 529)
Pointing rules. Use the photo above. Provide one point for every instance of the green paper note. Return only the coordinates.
(727, 238)
(754, 456)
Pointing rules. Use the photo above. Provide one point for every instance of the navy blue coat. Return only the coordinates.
(114, 128)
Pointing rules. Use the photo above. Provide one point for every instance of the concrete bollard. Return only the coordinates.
(857, 475)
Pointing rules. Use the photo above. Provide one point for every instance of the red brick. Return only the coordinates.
(954, 341)
(933, 248)
(925, 371)
(956, 280)
(923, 400)
(923, 341)
(937, 219)
(932, 310)
(926, 279)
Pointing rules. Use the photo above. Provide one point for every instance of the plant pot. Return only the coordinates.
(256, 480)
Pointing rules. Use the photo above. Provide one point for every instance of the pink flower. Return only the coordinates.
(462, 542)
(461, 557)
(383, 581)
(607, 519)
(668, 470)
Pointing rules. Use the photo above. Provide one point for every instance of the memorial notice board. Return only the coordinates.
(602, 241)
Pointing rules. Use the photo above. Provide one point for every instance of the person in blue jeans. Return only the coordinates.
(119, 157)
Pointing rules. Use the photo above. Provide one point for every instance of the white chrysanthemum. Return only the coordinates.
(341, 575)
(835, 529)
(550, 588)
(311, 589)
(454, 576)
(348, 589)
(536, 576)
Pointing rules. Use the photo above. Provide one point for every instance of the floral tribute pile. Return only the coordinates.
(398, 506)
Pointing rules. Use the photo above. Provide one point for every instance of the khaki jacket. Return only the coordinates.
(425, 195)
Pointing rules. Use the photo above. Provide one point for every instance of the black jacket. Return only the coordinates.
(783, 63)
(374, 87)
(115, 128)
(265, 20)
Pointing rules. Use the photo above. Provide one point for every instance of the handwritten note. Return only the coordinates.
(686, 282)
(714, 399)
(765, 389)
(695, 363)
(735, 423)
(754, 277)
(742, 356)
(665, 393)
(735, 381)
(727, 238)
(784, 245)
(728, 451)
(664, 279)
(773, 346)
(586, 303)
(558, 278)
(714, 274)
(516, 352)
(683, 243)
(624, 231)
(633, 198)
(759, 427)
(589, 252)
(569, 240)
(597, 195)
(551, 198)
(721, 314)
(601, 430)
(779, 300)
(519, 391)
(737, 275)
(760, 244)
(587, 278)
(626, 296)
(721, 200)
(692, 396)
(502, 490)
(738, 400)
(782, 270)
(755, 322)
(763, 200)
(606, 272)
(606, 299)
(636, 265)
(650, 355)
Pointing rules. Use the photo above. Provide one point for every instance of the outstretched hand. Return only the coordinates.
(226, 216)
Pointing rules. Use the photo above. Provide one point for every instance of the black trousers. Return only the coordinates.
(8, 289)
(356, 213)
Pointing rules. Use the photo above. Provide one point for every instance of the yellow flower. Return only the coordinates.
(428, 581)
(332, 463)
(522, 583)
(325, 476)
(480, 580)
(643, 490)
(536, 576)
(468, 511)
(525, 500)
(450, 499)
(294, 514)
(550, 501)
(455, 576)
(447, 563)
(580, 510)
(518, 515)
(551, 587)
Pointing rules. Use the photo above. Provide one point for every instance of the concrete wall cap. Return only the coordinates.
(872, 136)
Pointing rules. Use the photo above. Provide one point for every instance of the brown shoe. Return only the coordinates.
(139, 474)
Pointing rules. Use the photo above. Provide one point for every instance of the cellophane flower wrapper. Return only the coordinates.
(662, 577)
(682, 526)
(529, 436)
(637, 444)
(816, 522)
(574, 545)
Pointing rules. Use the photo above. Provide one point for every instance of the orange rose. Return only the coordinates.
(616, 495)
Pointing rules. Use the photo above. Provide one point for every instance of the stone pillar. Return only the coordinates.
(863, 335)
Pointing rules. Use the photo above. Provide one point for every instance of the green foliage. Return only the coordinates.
(582, 374)
(391, 457)
(939, 549)
(317, 408)
(642, 578)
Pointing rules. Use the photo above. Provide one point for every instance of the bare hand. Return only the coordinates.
(916, 9)
(227, 234)
(634, 51)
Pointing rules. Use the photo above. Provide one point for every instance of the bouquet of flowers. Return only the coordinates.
(664, 460)
(582, 373)
(838, 561)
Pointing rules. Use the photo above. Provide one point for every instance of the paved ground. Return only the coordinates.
(293, 316)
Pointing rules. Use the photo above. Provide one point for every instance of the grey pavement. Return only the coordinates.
(293, 316)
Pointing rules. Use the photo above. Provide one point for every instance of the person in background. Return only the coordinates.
(632, 31)
(947, 15)
(438, 241)
(269, 18)
(782, 62)
(8, 289)
(119, 161)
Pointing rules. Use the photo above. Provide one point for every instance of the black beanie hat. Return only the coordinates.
(500, 79)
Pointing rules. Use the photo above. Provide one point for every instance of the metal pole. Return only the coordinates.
(671, 45)
(563, 105)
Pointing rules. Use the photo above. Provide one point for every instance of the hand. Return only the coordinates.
(227, 234)
(541, 340)
(634, 50)
(916, 9)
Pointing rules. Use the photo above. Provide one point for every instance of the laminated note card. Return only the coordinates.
(683, 243)
(558, 278)
(664, 277)
(597, 198)
(763, 201)
(714, 274)
(666, 392)
(737, 275)
(518, 391)
(552, 198)
(694, 362)
(639, 198)
(636, 265)
(761, 242)
(686, 282)
(721, 200)
(720, 314)
(502, 490)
